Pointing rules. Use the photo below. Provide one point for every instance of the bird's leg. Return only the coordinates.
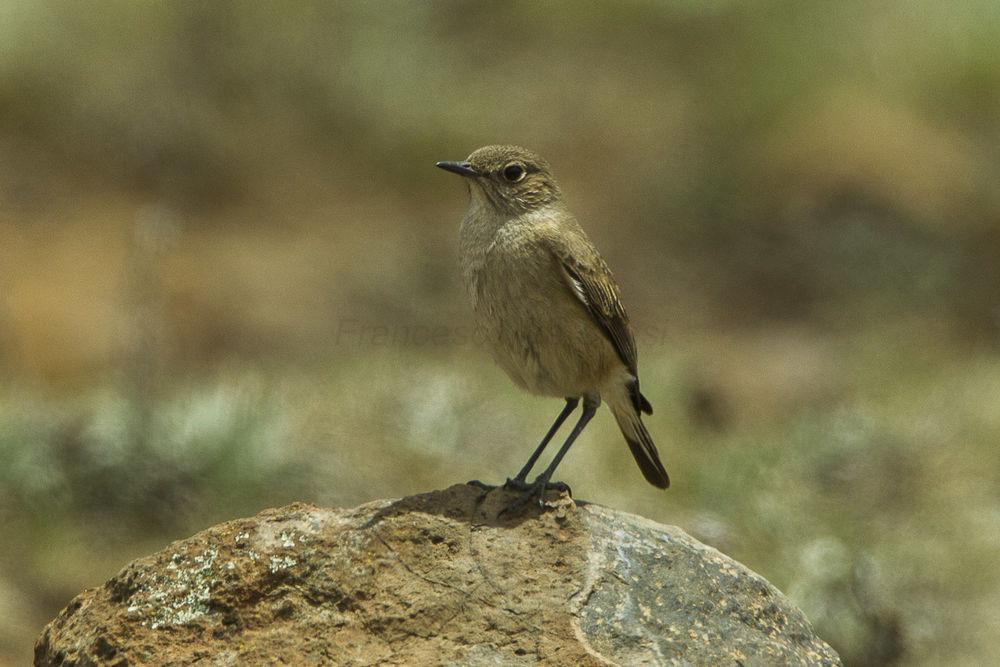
(537, 488)
(518, 481)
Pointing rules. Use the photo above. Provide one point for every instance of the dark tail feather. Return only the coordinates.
(638, 400)
(644, 405)
(642, 447)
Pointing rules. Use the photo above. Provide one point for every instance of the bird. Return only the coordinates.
(547, 306)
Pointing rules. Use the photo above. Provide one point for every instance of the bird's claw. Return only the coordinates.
(517, 484)
(533, 491)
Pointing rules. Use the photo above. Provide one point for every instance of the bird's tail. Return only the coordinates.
(639, 442)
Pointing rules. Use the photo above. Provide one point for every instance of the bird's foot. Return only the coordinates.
(516, 484)
(481, 485)
(533, 491)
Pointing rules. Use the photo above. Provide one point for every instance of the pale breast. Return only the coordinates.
(536, 329)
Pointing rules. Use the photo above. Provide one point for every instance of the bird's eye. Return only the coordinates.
(513, 172)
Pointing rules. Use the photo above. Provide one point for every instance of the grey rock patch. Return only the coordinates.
(653, 595)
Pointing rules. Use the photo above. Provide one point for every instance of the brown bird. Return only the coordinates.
(547, 304)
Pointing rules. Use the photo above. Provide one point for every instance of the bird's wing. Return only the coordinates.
(590, 280)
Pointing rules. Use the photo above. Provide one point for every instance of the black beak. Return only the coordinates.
(460, 168)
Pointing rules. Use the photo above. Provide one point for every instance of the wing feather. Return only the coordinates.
(590, 280)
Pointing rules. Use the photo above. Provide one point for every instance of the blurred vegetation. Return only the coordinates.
(228, 280)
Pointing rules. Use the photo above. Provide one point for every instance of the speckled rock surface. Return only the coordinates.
(434, 579)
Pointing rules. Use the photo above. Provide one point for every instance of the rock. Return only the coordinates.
(430, 579)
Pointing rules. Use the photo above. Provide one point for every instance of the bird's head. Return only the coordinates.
(511, 179)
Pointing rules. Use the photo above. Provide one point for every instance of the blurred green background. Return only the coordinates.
(228, 280)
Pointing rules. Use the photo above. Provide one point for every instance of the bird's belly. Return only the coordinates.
(544, 339)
